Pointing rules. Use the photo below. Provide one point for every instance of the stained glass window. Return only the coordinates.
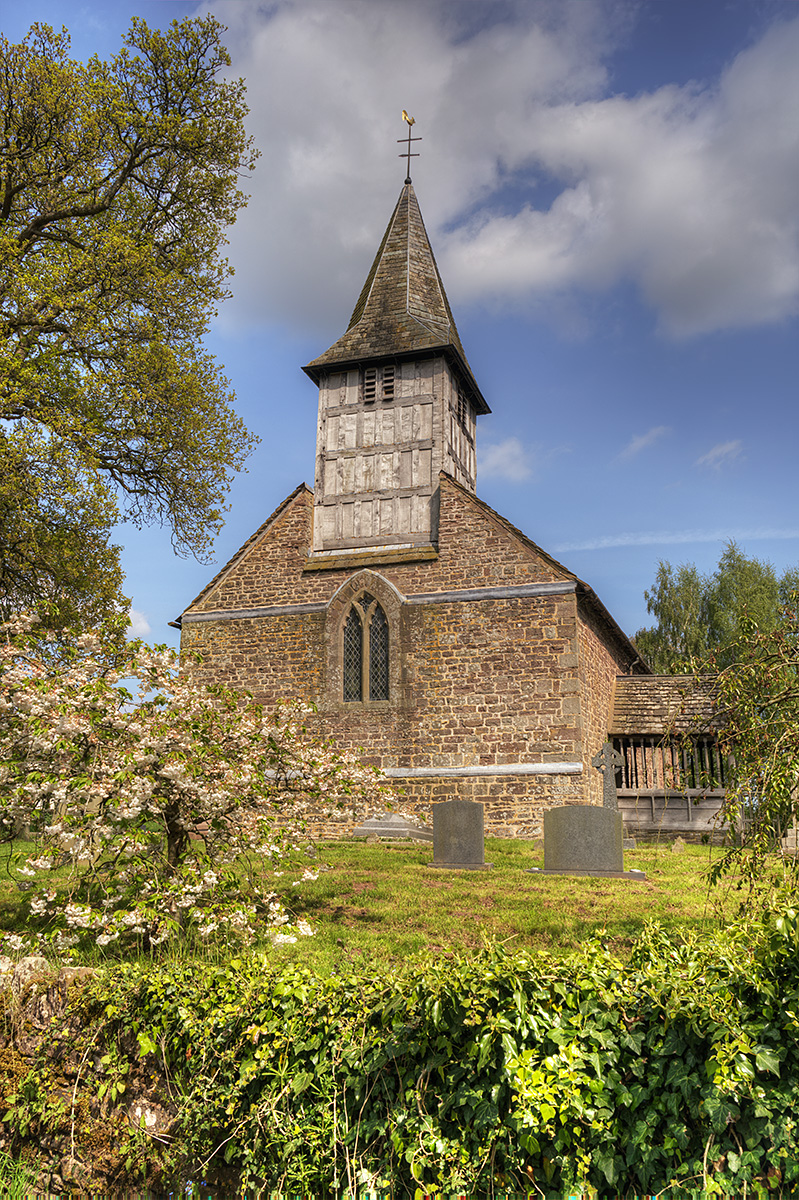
(353, 657)
(366, 650)
(378, 655)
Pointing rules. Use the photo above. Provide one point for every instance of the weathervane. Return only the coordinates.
(407, 153)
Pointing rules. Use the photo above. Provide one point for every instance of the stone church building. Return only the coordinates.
(428, 630)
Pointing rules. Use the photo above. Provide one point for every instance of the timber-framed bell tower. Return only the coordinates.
(397, 405)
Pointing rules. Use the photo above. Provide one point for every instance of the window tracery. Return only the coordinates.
(366, 651)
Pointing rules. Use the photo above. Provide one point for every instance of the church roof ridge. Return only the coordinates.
(583, 588)
(402, 310)
(242, 550)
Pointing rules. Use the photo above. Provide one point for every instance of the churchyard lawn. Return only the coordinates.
(382, 903)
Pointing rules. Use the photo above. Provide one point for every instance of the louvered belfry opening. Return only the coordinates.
(366, 651)
(377, 383)
(369, 385)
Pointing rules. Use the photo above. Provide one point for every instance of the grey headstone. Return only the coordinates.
(458, 838)
(391, 825)
(583, 837)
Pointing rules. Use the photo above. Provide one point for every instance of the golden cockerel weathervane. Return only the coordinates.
(407, 153)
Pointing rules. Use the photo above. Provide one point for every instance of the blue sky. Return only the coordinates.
(610, 187)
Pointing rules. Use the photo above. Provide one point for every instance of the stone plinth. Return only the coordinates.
(458, 840)
(391, 825)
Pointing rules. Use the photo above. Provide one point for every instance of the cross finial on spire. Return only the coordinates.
(407, 153)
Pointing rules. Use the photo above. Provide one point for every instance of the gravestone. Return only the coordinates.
(458, 839)
(392, 825)
(609, 761)
(583, 839)
(790, 840)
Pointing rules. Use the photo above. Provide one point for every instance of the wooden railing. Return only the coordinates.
(658, 765)
(671, 786)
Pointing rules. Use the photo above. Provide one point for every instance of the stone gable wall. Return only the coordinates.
(475, 550)
(475, 683)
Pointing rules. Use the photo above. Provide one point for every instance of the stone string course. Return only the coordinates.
(473, 682)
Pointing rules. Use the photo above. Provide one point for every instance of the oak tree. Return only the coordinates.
(117, 182)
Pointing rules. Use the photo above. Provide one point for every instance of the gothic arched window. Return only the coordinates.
(366, 651)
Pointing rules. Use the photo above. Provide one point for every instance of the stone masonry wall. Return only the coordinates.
(481, 683)
(474, 550)
(475, 682)
(600, 663)
(515, 806)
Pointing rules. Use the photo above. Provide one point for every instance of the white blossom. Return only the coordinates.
(110, 766)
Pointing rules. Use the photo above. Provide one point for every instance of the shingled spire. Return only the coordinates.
(398, 404)
(402, 311)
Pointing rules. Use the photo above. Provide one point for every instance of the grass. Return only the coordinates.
(17, 1181)
(380, 904)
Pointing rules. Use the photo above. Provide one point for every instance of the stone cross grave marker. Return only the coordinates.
(608, 761)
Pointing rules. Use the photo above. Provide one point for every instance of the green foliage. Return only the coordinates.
(16, 1181)
(757, 711)
(475, 1075)
(117, 181)
(699, 615)
(55, 516)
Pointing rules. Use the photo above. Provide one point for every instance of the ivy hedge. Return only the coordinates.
(504, 1073)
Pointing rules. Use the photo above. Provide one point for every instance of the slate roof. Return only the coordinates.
(655, 704)
(402, 311)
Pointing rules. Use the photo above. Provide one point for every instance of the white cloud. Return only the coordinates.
(721, 455)
(642, 441)
(679, 537)
(689, 192)
(326, 83)
(504, 460)
(139, 625)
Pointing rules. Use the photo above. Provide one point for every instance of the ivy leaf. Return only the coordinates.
(146, 1043)
(767, 1060)
(302, 1081)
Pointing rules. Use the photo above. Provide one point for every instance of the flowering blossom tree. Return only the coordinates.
(160, 801)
